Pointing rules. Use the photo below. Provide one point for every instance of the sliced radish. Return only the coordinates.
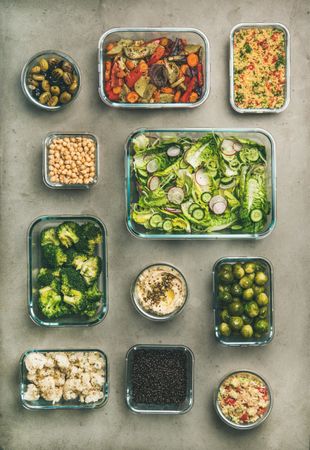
(153, 183)
(173, 151)
(237, 146)
(173, 210)
(219, 207)
(202, 177)
(228, 147)
(217, 199)
(176, 195)
(152, 166)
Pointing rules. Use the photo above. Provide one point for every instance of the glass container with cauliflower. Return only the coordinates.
(243, 400)
(57, 379)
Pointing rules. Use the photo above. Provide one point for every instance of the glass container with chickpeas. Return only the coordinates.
(70, 160)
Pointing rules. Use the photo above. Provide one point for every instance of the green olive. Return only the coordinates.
(68, 78)
(46, 85)
(65, 97)
(246, 319)
(38, 77)
(224, 297)
(251, 309)
(248, 294)
(55, 90)
(44, 98)
(246, 282)
(238, 271)
(250, 267)
(236, 323)
(262, 299)
(226, 276)
(224, 315)
(53, 101)
(43, 64)
(53, 61)
(246, 331)
(258, 289)
(236, 290)
(73, 87)
(263, 312)
(261, 326)
(57, 73)
(224, 329)
(33, 82)
(261, 278)
(67, 67)
(36, 69)
(235, 308)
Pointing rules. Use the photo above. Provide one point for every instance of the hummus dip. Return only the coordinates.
(160, 290)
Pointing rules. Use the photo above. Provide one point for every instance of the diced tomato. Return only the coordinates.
(251, 66)
(261, 411)
(262, 390)
(244, 417)
(230, 401)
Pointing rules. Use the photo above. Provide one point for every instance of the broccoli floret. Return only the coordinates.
(79, 260)
(91, 309)
(68, 233)
(71, 254)
(70, 278)
(50, 303)
(76, 300)
(54, 256)
(49, 236)
(90, 269)
(93, 294)
(92, 232)
(45, 277)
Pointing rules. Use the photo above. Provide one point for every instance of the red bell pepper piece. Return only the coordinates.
(110, 93)
(200, 75)
(157, 55)
(133, 76)
(189, 90)
(107, 73)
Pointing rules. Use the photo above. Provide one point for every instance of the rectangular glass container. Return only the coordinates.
(192, 35)
(63, 404)
(259, 135)
(239, 341)
(59, 135)
(35, 262)
(287, 67)
(140, 408)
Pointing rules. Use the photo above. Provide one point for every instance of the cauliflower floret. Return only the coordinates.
(96, 360)
(62, 360)
(93, 396)
(33, 376)
(32, 393)
(75, 371)
(35, 361)
(59, 378)
(50, 363)
(53, 395)
(47, 384)
(71, 388)
(97, 379)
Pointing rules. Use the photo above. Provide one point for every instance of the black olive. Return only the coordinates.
(37, 92)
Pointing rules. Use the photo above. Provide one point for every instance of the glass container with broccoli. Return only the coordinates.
(242, 289)
(67, 271)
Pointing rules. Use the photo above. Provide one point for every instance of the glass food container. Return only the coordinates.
(239, 341)
(63, 404)
(35, 262)
(287, 67)
(240, 426)
(33, 61)
(59, 135)
(148, 314)
(256, 134)
(192, 35)
(140, 408)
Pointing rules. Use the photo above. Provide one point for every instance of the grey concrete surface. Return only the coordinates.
(75, 27)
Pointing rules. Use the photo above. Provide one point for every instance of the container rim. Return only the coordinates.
(105, 99)
(24, 75)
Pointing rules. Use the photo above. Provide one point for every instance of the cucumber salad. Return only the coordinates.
(199, 185)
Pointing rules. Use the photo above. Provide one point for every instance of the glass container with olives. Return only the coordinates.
(243, 301)
(51, 80)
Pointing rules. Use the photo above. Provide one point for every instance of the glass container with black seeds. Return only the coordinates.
(159, 377)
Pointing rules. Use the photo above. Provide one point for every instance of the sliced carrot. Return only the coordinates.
(132, 97)
(109, 46)
(164, 41)
(130, 64)
(121, 74)
(192, 60)
(177, 96)
(117, 90)
(143, 67)
(193, 97)
(107, 73)
(167, 90)
(156, 96)
(184, 68)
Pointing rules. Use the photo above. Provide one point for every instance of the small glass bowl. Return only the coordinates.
(35, 262)
(148, 314)
(237, 426)
(141, 408)
(239, 341)
(59, 135)
(32, 61)
(63, 404)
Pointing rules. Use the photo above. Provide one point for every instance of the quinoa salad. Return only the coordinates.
(259, 68)
(243, 398)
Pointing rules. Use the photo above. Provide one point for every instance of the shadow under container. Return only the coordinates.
(63, 404)
(143, 408)
(287, 38)
(192, 35)
(239, 341)
(35, 263)
(236, 426)
(258, 135)
(45, 170)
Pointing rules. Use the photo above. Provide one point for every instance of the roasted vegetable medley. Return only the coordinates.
(157, 71)
(242, 300)
(68, 279)
(199, 185)
(53, 81)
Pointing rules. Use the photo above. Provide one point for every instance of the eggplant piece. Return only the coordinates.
(166, 98)
(141, 85)
(136, 52)
(159, 75)
(173, 71)
(192, 48)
